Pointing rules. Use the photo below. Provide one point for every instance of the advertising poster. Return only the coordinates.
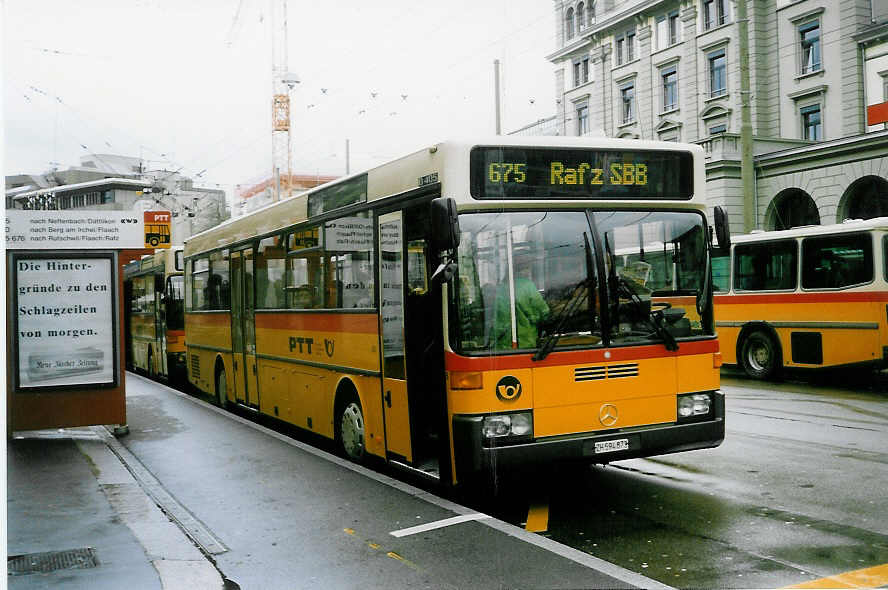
(64, 309)
(391, 274)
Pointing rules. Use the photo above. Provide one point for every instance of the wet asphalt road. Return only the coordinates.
(795, 493)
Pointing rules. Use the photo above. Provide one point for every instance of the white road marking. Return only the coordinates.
(430, 526)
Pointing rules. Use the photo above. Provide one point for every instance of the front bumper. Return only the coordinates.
(474, 454)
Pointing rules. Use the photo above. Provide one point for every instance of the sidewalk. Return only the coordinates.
(80, 520)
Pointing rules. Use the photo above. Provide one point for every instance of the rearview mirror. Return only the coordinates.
(722, 228)
(445, 223)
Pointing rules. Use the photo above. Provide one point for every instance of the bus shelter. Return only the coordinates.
(65, 342)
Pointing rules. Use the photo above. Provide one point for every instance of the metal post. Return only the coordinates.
(747, 169)
(496, 92)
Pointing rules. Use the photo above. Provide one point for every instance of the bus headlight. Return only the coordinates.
(517, 425)
(694, 405)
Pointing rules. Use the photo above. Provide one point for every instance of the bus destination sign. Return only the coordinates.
(569, 173)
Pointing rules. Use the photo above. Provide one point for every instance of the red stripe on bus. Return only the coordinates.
(455, 362)
(363, 323)
(853, 297)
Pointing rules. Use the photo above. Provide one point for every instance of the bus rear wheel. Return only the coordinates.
(760, 355)
(350, 430)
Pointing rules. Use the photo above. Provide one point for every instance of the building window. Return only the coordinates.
(716, 129)
(581, 71)
(718, 83)
(569, 24)
(667, 30)
(809, 38)
(624, 47)
(670, 88)
(812, 123)
(674, 29)
(582, 120)
(581, 16)
(627, 100)
(715, 13)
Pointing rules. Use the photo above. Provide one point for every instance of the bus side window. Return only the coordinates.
(721, 272)
(270, 273)
(834, 262)
(200, 284)
(768, 266)
(218, 286)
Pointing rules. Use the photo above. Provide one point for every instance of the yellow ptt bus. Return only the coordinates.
(808, 297)
(154, 292)
(473, 306)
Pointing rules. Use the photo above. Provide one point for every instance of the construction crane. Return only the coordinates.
(282, 81)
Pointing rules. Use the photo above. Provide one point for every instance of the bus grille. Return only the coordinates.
(195, 366)
(605, 372)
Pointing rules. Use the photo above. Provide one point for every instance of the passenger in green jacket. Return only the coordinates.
(530, 309)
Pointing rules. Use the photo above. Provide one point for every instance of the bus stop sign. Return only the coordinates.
(157, 229)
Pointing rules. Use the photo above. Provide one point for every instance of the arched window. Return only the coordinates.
(569, 24)
(791, 208)
(581, 16)
(866, 198)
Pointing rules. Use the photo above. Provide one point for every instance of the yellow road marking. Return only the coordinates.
(871, 577)
(374, 545)
(537, 518)
(349, 531)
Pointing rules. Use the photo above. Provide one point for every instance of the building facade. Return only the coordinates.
(120, 183)
(671, 70)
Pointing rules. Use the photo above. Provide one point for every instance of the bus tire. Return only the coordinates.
(350, 428)
(221, 386)
(760, 355)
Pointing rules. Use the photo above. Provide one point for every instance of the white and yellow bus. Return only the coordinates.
(808, 297)
(155, 314)
(464, 308)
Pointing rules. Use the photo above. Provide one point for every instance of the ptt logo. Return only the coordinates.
(508, 389)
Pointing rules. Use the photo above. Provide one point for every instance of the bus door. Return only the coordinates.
(160, 341)
(243, 329)
(424, 345)
(394, 366)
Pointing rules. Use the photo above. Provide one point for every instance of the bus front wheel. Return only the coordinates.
(350, 429)
(760, 355)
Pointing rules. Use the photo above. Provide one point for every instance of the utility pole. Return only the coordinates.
(496, 92)
(346, 158)
(747, 169)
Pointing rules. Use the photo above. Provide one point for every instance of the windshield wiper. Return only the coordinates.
(655, 318)
(578, 295)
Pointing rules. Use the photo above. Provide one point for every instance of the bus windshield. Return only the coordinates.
(578, 279)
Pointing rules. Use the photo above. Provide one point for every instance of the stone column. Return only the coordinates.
(689, 75)
(645, 90)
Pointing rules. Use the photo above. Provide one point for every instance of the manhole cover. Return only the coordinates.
(41, 563)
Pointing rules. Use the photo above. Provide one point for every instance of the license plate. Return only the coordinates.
(609, 446)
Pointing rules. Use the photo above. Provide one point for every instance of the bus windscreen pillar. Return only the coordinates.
(65, 346)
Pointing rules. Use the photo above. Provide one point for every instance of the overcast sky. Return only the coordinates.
(187, 83)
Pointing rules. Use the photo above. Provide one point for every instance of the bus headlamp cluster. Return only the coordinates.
(518, 425)
(694, 405)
